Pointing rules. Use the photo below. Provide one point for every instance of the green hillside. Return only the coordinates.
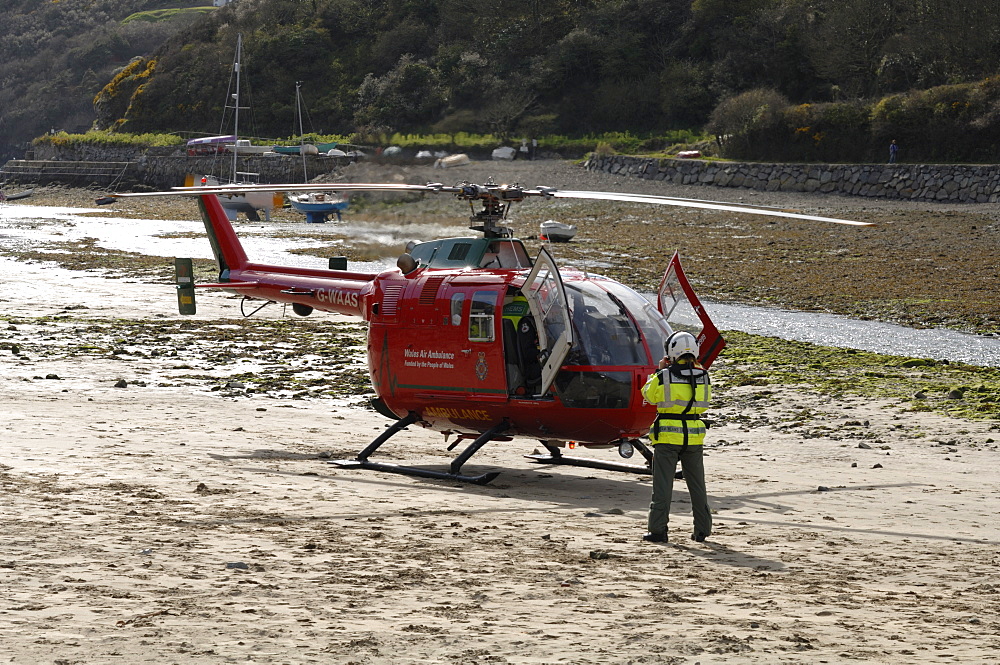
(176, 13)
(55, 55)
(832, 79)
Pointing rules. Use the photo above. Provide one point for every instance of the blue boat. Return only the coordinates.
(318, 205)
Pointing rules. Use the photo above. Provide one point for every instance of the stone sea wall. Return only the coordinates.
(917, 182)
(156, 168)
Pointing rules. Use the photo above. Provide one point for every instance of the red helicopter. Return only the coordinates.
(474, 338)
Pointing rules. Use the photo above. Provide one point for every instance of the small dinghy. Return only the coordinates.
(554, 231)
(14, 197)
(451, 161)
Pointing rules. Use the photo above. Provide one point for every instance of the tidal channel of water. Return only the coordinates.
(183, 238)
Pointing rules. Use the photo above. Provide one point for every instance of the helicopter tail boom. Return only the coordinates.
(338, 291)
(226, 244)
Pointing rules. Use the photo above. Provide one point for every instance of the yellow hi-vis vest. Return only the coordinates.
(679, 395)
(516, 309)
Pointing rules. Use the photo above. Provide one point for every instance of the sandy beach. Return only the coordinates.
(163, 503)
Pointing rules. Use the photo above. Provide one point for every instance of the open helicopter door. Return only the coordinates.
(678, 302)
(546, 297)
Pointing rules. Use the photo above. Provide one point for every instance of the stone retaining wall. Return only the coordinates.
(159, 172)
(917, 182)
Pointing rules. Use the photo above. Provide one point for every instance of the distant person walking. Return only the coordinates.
(893, 149)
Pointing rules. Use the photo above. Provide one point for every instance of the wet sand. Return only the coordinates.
(190, 515)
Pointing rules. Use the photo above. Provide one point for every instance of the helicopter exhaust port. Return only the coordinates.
(406, 263)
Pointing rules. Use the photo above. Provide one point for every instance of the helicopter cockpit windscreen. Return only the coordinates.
(614, 330)
(604, 332)
(654, 327)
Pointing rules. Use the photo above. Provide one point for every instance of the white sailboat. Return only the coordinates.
(250, 202)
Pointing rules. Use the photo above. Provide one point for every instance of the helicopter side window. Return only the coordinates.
(459, 251)
(481, 316)
(457, 300)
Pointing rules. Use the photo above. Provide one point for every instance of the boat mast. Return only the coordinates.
(236, 97)
(302, 131)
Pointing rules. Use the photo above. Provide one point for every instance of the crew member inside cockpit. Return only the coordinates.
(524, 372)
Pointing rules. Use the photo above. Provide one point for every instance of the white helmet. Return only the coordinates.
(681, 344)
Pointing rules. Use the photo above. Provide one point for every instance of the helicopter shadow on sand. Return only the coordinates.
(525, 486)
(548, 483)
(562, 485)
(269, 454)
(596, 494)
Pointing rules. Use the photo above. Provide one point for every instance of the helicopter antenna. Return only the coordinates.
(580, 256)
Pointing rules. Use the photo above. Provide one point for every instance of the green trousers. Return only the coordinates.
(665, 458)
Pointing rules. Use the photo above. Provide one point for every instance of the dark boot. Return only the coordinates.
(655, 537)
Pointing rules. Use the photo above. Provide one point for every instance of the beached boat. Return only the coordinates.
(304, 149)
(14, 197)
(317, 206)
(209, 145)
(554, 231)
(451, 161)
(244, 147)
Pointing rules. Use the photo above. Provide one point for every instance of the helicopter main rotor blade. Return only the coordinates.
(508, 193)
(317, 187)
(694, 203)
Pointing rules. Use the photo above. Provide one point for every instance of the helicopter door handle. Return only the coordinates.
(466, 351)
(297, 292)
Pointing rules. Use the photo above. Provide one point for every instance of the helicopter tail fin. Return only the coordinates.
(225, 244)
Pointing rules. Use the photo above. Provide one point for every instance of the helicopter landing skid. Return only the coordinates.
(456, 465)
(555, 456)
(386, 467)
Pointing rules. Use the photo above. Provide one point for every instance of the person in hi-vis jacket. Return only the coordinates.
(681, 390)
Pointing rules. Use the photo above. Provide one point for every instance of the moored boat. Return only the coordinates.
(248, 203)
(554, 231)
(317, 206)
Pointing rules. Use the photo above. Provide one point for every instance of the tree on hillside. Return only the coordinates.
(848, 43)
(409, 95)
(739, 119)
